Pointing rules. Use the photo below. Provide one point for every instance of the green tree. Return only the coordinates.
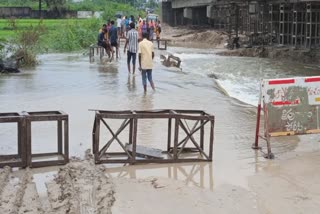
(152, 4)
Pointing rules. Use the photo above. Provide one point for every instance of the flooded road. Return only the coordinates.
(227, 87)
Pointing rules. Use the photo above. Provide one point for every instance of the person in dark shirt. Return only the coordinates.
(113, 37)
(102, 42)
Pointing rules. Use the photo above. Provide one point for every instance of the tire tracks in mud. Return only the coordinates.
(83, 188)
(80, 187)
(17, 193)
(4, 174)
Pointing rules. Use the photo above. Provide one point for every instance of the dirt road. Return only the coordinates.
(79, 187)
(290, 184)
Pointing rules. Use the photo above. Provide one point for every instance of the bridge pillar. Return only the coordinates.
(167, 13)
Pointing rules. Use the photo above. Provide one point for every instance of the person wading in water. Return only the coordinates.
(113, 37)
(146, 55)
(132, 43)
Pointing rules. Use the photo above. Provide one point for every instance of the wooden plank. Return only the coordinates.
(96, 138)
(184, 160)
(39, 155)
(44, 113)
(9, 114)
(66, 140)
(48, 163)
(134, 140)
(47, 117)
(10, 119)
(59, 133)
(169, 134)
(17, 163)
(147, 152)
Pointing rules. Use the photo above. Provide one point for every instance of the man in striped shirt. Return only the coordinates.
(132, 43)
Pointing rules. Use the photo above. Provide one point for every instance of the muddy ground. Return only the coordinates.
(79, 187)
(290, 184)
(279, 53)
(194, 36)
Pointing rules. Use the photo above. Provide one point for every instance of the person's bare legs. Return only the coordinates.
(144, 80)
(109, 50)
(149, 74)
(152, 85)
(134, 68)
(117, 52)
(129, 69)
(112, 53)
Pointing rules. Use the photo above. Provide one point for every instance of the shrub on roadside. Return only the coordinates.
(73, 36)
(27, 43)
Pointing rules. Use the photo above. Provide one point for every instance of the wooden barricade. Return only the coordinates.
(24, 156)
(20, 158)
(162, 44)
(95, 48)
(170, 61)
(175, 149)
(61, 156)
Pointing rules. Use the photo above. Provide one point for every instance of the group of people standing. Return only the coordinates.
(138, 44)
(142, 25)
(108, 38)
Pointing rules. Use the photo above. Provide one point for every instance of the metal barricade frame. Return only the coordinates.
(173, 153)
(159, 41)
(62, 133)
(99, 50)
(19, 159)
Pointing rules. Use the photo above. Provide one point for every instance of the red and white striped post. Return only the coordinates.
(256, 142)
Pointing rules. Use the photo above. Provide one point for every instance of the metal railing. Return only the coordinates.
(25, 156)
(175, 149)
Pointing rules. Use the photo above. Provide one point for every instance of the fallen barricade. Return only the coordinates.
(170, 61)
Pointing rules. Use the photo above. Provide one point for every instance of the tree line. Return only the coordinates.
(92, 5)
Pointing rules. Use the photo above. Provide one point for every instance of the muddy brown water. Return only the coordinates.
(227, 87)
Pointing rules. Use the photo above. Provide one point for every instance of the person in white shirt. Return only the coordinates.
(119, 26)
(132, 44)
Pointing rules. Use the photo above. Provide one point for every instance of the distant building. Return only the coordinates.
(285, 22)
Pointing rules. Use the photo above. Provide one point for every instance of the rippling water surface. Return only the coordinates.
(227, 87)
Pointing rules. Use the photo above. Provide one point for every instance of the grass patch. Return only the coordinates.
(56, 34)
(28, 37)
(23, 24)
(5, 34)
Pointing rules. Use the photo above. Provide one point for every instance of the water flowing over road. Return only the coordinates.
(227, 87)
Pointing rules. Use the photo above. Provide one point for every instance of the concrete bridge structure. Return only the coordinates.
(286, 22)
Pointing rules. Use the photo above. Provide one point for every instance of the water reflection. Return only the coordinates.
(147, 101)
(192, 174)
(131, 83)
(108, 69)
(69, 82)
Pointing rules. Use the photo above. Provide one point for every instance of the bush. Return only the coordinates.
(26, 43)
(72, 36)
